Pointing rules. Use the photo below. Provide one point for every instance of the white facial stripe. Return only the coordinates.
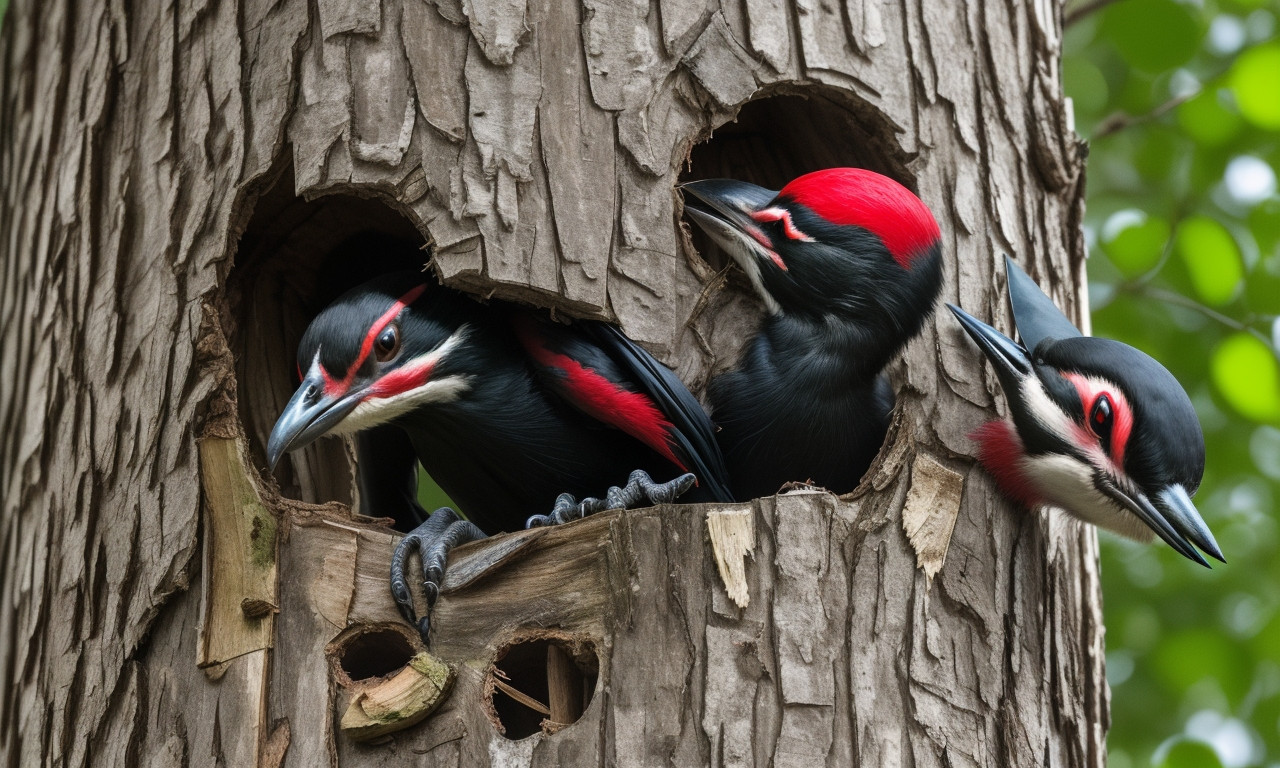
(1051, 416)
(1067, 483)
(375, 410)
(1046, 411)
(751, 265)
(788, 226)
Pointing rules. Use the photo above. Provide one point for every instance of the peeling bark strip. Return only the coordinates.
(239, 557)
(929, 514)
(156, 270)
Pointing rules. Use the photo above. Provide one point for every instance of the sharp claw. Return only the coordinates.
(639, 488)
(441, 532)
(668, 492)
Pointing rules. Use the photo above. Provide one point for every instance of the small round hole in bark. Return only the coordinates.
(541, 682)
(371, 652)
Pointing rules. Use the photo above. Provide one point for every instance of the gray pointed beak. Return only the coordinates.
(726, 199)
(1009, 359)
(1174, 503)
(1166, 527)
(309, 414)
(723, 208)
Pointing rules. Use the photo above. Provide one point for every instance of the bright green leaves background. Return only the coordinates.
(1255, 81)
(1181, 104)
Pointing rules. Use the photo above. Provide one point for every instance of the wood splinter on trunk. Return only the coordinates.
(929, 515)
(404, 699)
(733, 539)
(239, 598)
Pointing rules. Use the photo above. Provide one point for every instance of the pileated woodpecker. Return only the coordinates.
(504, 410)
(1097, 427)
(849, 264)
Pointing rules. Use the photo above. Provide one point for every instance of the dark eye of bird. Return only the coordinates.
(1100, 418)
(388, 344)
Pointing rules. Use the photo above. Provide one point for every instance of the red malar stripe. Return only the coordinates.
(367, 345)
(1000, 450)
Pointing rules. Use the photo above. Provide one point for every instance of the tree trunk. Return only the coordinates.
(184, 184)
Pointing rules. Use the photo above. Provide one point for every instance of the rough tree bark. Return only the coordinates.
(181, 183)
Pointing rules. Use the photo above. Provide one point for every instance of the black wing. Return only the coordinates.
(601, 372)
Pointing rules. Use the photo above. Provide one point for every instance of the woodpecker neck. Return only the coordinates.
(1001, 451)
(834, 351)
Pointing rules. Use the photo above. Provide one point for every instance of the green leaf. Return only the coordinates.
(1084, 83)
(1189, 753)
(430, 495)
(1255, 79)
(1206, 120)
(1153, 35)
(1185, 658)
(1212, 258)
(1158, 156)
(1262, 290)
(1247, 374)
(1264, 222)
(1134, 241)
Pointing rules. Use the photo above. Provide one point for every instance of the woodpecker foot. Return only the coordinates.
(640, 490)
(432, 540)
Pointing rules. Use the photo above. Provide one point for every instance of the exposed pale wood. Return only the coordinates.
(407, 698)
(240, 557)
(564, 687)
(733, 540)
(168, 222)
(522, 697)
(929, 514)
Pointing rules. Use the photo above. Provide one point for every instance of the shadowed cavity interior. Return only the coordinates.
(295, 257)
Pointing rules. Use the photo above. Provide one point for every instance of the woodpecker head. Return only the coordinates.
(842, 241)
(372, 356)
(1097, 427)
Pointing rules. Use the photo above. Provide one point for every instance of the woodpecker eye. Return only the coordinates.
(388, 344)
(1100, 418)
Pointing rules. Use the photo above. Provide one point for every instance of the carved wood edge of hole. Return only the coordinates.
(577, 648)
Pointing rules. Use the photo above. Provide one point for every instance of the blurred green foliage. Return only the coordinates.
(1180, 102)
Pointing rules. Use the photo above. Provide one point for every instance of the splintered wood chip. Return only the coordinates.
(522, 697)
(733, 538)
(404, 699)
(928, 517)
(481, 561)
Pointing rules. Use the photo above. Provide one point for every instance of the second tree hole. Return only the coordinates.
(372, 653)
(541, 683)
